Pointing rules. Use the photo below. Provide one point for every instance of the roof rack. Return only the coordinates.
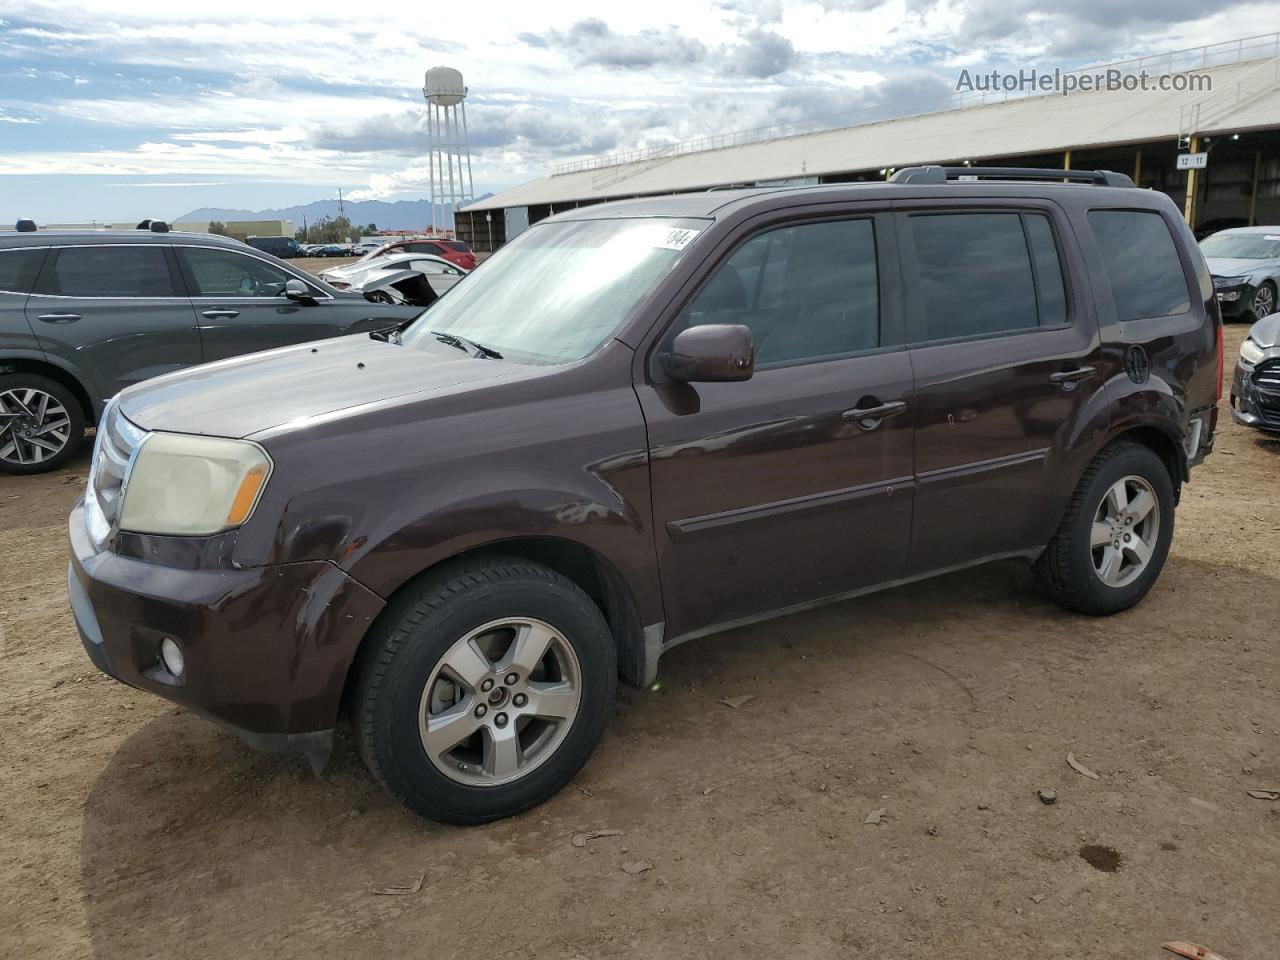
(936, 174)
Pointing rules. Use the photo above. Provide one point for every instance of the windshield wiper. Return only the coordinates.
(462, 343)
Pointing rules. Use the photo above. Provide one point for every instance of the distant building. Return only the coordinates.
(241, 229)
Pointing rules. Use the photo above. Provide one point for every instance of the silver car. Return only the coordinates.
(1255, 389)
(1245, 263)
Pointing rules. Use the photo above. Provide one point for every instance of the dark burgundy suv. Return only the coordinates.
(637, 424)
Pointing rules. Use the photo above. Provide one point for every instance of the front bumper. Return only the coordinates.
(1252, 406)
(1235, 302)
(266, 649)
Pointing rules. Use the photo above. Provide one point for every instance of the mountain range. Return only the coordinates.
(388, 215)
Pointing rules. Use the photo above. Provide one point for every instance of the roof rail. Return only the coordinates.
(935, 174)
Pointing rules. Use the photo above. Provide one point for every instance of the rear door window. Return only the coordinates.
(116, 271)
(983, 274)
(1141, 262)
(18, 269)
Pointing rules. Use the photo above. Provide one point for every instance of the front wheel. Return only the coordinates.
(1114, 538)
(1264, 301)
(483, 690)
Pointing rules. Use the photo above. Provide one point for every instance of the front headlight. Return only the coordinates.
(1250, 352)
(1220, 282)
(184, 485)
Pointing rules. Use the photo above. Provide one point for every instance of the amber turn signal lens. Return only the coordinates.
(247, 495)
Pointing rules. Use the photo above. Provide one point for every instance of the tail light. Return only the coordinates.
(1220, 363)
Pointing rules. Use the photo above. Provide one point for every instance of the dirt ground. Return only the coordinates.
(129, 828)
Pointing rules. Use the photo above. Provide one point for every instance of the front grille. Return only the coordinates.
(1267, 376)
(117, 441)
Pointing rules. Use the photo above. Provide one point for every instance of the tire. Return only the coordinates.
(408, 659)
(1264, 300)
(1074, 567)
(48, 413)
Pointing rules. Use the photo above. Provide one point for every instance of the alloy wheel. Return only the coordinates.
(34, 426)
(1264, 302)
(500, 702)
(1126, 527)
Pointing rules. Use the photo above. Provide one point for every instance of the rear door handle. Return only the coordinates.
(870, 417)
(220, 314)
(1071, 376)
(59, 317)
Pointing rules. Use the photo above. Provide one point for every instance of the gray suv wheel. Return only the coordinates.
(41, 424)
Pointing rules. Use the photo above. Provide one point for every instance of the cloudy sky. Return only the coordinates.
(111, 109)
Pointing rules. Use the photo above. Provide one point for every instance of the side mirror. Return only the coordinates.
(711, 353)
(298, 291)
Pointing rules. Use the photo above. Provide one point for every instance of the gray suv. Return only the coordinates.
(84, 314)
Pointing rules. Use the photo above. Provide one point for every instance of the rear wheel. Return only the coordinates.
(483, 690)
(41, 424)
(1114, 538)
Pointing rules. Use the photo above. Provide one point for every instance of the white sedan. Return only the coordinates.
(397, 277)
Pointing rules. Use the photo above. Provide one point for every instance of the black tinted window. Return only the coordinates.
(222, 273)
(1141, 263)
(121, 271)
(975, 274)
(805, 291)
(18, 269)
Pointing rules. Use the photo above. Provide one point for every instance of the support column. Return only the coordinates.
(1253, 194)
(1193, 184)
(1066, 160)
(1137, 168)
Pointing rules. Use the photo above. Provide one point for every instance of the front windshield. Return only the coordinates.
(1242, 246)
(560, 290)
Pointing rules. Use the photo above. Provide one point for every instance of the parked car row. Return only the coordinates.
(641, 423)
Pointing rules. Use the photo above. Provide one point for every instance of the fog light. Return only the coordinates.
(171, 656)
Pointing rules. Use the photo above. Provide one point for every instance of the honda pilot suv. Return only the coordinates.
(638, 424)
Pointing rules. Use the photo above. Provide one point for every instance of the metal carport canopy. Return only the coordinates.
(1244, 96)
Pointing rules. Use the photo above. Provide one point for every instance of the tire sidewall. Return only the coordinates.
(395, 735)
(1268, 285)
(1135, 461)
(75, 437)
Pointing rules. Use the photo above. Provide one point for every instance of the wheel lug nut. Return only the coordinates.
(481, 711)
(500, 720)
(519, 699)
(511, 678)
(486, 685)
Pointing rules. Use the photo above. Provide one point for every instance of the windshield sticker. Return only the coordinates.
(657, 237)
(1272, 236)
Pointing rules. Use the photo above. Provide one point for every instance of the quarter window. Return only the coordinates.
(18, 269)
(120, 271)
(223, 273)
(1141, 262)
(987, 273)
(805, 292)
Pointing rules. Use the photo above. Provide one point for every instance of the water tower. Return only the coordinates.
(449, 156)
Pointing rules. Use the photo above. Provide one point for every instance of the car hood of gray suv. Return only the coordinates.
(295, 385)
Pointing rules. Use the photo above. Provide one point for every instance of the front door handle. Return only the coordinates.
(1071, 376)
(59, 317)
(220, 314)
(869, 417)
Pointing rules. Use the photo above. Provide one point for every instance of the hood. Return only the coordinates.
(1266, 332)
(246, 395)
(1235, 266)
